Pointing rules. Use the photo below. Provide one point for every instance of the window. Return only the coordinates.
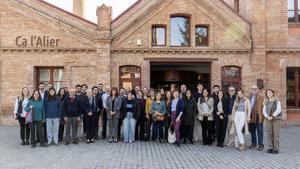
(130, 76)
(293, 87)
(294, 11)
(180, 31)
(201, 37)
(54, 75)
(158, 35)
(231, 76)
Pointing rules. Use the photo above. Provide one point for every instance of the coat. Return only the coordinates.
(257, 109)
(224, 107)
(135, 107)
(248, 113)
(190, 110)
(210, 103)
(179, 107)
(117, 107)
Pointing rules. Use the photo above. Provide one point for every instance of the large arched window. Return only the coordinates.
(180, 30)
(130, 76)
(231, 76)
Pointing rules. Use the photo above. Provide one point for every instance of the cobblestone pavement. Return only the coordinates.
(141, 155)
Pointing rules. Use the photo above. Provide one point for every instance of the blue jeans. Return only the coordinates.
(52, 129)
(129, 127)
(157, 128)
(257, 128)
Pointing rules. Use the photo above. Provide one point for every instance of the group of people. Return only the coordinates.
(143, 114)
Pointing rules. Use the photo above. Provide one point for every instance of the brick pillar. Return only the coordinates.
(104, 18)
(78, 7)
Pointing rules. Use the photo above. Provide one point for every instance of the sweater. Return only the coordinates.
(38, 109)
(53, 108)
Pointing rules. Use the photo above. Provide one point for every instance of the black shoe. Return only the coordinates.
(23, 143)
(192, 142)
(270, 151)
(221, 145)
(67, 143)
(27, 142)
(44, 145)
(184, 141)
(178, 144)
(75, 142)
(159, 140)
(103, 137)
(33, 145)
(275, 152)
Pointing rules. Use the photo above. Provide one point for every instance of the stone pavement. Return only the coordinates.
(141, 155)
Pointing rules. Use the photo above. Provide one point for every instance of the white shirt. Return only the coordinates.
(24, 103)
(104, 97)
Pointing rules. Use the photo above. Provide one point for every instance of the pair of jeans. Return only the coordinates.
(52, 129)
(104, 123)
(207, 131)
(113, 124)
(24, 129)
(90, 126)
(71, 123)
(37, 126)
(221, 125)
(176, 125)
(257, 133)
(129, 127)
(157, 129)
(239, 122)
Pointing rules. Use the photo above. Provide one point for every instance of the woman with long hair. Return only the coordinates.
(177, 107)
(190, 110)
(168, 101)
(158, 110)
(61, 95)
(20, 113)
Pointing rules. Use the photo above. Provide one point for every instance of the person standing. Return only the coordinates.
(197, 125)
(104, 112)
(95, 91)
(199, 92)
(272, 113)
(44, 94)
(62, 96)
(53, 115)
(36, 107)
(158, 110)
(256, 125)
(113, 107)
(177, 107)
(205, 115)
(168, 101)
(131, 115)
(148, 113)
(72, 114)
(221, 117)
(141, 123)
(190, 111)
(20, 113)
(230, 124)
(123, 97)
(241, 116)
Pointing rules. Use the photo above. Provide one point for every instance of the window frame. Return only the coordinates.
(203, 26)
(187, 16)
(131, 79)
(296, 88)
(52, 70)
(232, 80)
(296, 11)
(158, 26)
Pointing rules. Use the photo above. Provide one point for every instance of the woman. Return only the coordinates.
(205, 115)
(177, 106)
(241, 116)
(113, 106)
(20, 113)
(131, 115)
(168, 101)
(158, 111)
(190, 110)
(148, 113)
(36, 107)
(61, 95)
(53, 115)
(91, 108)
(140, 127)
(273, 114)
(221, 117)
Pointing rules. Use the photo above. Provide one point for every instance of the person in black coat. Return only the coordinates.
(221, 117)
(190, 110)
(62, 95)
(141, 123)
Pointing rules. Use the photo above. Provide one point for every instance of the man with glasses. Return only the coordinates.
(257, 118)
(230, 124)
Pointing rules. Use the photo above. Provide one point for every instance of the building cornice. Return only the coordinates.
(283, 50)
(47, 50)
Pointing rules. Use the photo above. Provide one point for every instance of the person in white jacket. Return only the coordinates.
(273, 114)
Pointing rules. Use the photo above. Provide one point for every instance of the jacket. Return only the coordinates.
(159, 107)
(53, 108)
(190, 111)
(71, 108)
(135, 109)
(257, 109)
(38, 109)
(117, 107)
(179, 107)
(224, 108)
(88, 107)
(210, 103)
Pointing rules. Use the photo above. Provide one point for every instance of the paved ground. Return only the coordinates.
(140, 155)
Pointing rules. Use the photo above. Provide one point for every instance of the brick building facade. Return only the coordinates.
(157, 43)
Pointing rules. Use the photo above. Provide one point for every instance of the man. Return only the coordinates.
(95, 92)
(183, 90)
(84, 88)
(199, 92)
(123, 99)
(100, 88)
(71, 114)
(230, 124)
(216, 89)
(49, 86)
(43, 91)
(83, 99)
(257, 118)
(104, 113)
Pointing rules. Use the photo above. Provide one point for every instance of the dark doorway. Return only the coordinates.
(170, 76)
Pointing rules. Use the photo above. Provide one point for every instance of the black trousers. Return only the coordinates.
(140, 129)
(97, 117)
(207, 131)
(37, 126)
(119, 127)
(104, 123)
(188, 132)
(61, 131)
(84, 124)
(148, 129)
(45, 131)
(24, 129)
(90, 126)
(221, 125)
(167, 125)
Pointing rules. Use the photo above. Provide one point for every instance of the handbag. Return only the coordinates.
(29, 116)
(171, 135)
(160, 118)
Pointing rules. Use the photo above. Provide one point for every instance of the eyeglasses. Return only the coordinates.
(232, 90)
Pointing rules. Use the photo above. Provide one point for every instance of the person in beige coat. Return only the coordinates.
(241, 116)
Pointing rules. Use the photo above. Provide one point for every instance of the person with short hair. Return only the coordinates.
(230, 124)
(141, 122)
(104, 111)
